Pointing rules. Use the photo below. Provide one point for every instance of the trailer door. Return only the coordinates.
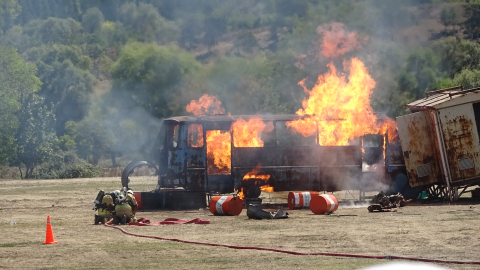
(417, 138)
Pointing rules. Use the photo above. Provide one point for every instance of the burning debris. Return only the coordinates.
(382, 203)
(256, 182)
(254, 211)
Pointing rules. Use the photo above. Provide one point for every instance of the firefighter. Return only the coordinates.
(104, 204)
(126, 208)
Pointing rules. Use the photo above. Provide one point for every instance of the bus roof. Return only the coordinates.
(231, 118)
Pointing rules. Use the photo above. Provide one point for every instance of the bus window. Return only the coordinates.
(219, 155)
(195, 135)
(254, 134)
(176, 134)
(288, 136)
(172, 136)
(268, 135)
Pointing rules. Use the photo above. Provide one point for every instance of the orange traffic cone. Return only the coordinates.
(49, 238)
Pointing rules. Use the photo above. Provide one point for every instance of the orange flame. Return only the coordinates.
(266, 188)
(388, 128)
(218, 151)
(240, 194)
(333, 98)
(206, 105)
(247, 133)
(336, 41)
(262, 178)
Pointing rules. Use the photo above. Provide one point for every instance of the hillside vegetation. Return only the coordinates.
(87, 81)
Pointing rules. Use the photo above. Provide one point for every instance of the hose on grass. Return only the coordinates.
(388, 257)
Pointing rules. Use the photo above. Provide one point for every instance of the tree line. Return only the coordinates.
(86, 82)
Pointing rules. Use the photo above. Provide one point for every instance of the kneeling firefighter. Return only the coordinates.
(104, 204)
(126, 208)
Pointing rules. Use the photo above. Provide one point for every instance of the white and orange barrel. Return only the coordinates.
(323, 204)
(226, 206)
(138, 198)
(298, 200)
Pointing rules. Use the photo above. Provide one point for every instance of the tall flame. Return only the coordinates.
(335, 98)
(206, 105)
(218, 151)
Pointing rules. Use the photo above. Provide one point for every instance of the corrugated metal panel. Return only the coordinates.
(430, 101)
(419, 150)
(461, 142)
(445, 99)
(438, 99)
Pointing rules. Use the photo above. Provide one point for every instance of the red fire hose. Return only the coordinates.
(389, 257)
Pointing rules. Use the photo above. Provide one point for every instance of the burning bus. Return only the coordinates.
(247, 154)
(334, 142)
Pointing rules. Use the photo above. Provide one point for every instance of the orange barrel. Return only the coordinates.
(323, 204)
(298, 200)
(226, 206)
(138, 198)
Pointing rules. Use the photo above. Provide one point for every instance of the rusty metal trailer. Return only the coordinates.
(440, 141)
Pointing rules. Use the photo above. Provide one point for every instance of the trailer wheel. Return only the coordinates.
(442, 192)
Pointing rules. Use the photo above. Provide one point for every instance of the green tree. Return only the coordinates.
(18, 78)
(58, 53)
(421, 73)
(92, 138)
(150, 75)
(289, 8)
(35, 135)
(456, 54)
(145, 23)
(67, 82)
(69, 88)
(9, 10)
(114, 34)
(467, 78)
(54, 30)
(92, 20)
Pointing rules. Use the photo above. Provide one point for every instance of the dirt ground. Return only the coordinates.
(434, 231)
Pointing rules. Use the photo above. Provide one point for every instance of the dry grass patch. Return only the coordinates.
(440, 231)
